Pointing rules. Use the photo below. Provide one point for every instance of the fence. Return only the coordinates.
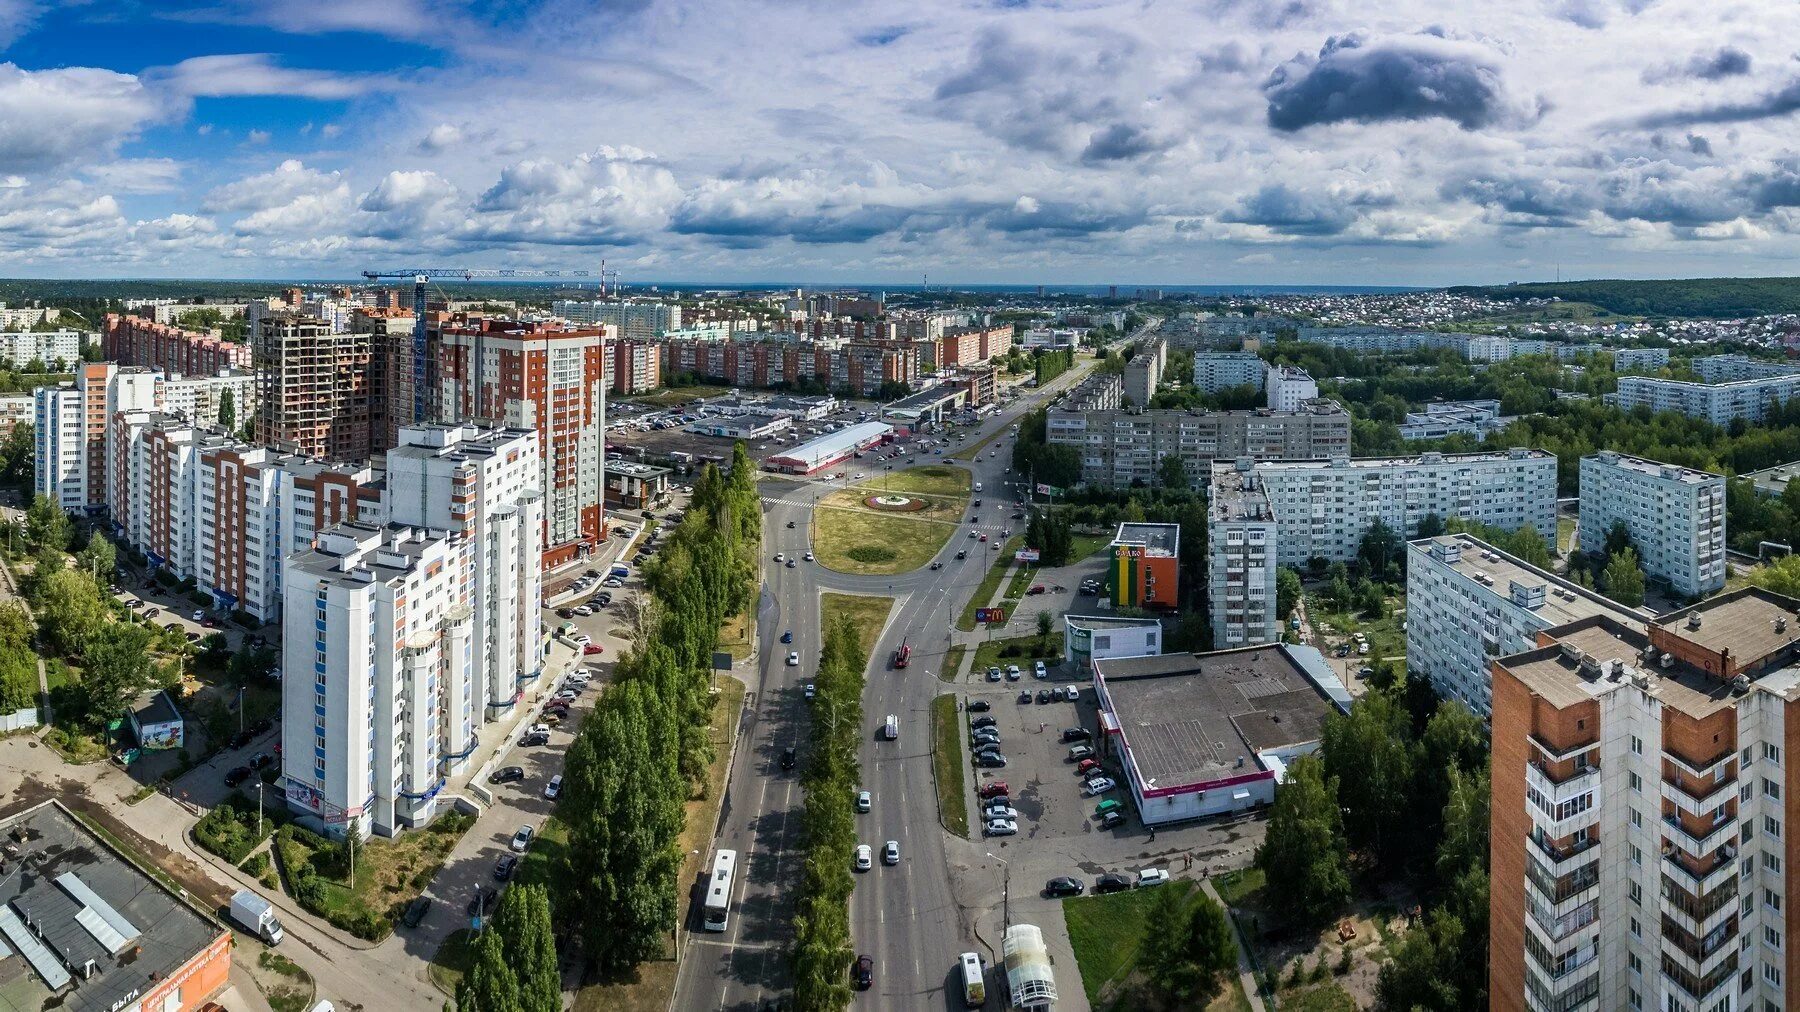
(18, 720)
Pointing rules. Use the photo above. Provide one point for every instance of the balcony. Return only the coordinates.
(1561, 785)
(1698, 795)
(1706, 876)
(1700, 843)
(1697, 987)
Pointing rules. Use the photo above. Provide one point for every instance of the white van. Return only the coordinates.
(891, 730)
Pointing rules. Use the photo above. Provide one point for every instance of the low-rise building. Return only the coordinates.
(1209, 734)
(1675, 516)
(1090, 638)
(634, 486)
(1146, 566)
(746, 425)
(1479, 419)
(1773, 481)
(830, 448)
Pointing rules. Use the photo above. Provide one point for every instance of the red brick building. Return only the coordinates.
(133, 340)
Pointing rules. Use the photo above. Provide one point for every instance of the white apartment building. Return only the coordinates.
(1467, 602)
(1628, 359)
(1241, 539)
(482, 483)
(1048, 338)
(1217, 371)
(1731, 368)
(60, 449)
(1718, 403)
(637, 321)
(20, 348)
(1289, 387)
(26, 317)
(1322, 508)
(198, 398)
(1675, 516)
(379, 679)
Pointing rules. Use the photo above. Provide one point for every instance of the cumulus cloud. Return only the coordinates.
(1778, 101)
(610, 196)
(1369, 80)
(287, 182)
(1287, 211)
(52, 118)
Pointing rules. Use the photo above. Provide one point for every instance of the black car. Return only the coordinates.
(1112, 882)
(506, 775)
(504, 868)
(1064, 886)
(865, 972)
(790, 525)
(415, 912)
(238, 775)
(1077, 734)
(937, 565)
(789, 756)
(565, 613)
(1112, 820)
(484, 902)
(261, 759)
(261, 724)
(982, 722)
(240, 739)
(540, 738)
(978, 706)
(1024, 695)
(962, 554)
(1043, 696)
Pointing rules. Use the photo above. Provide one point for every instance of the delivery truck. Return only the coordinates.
(256, 915)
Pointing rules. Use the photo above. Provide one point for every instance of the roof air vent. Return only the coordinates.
(1693, 621)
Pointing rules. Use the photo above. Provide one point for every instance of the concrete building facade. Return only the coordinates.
(1718, 403)
(1122, 446)
(1675, 516)
(1289, 388)
(1217, 371)
(1241, 562)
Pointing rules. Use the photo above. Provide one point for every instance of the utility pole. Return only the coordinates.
(241, 730)
(259, 790)
(1005, 891)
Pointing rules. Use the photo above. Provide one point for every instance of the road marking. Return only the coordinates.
(695, 939)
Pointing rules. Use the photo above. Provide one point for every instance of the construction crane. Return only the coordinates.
(421, 280)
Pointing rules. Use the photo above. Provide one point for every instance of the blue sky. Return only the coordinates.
(1211, 141)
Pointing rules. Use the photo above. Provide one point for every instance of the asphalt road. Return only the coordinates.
(905, 916)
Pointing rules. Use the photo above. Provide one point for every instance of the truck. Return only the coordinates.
(902, 654)
(256, 915)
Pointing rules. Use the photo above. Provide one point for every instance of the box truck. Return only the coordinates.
(256, 915)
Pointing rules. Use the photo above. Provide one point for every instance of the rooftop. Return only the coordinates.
(632, 469)
(84, 901)
(1193, 718)
(1774, 480)
(1749, 626)
(929, 397)
(1162, 539)
(835, 444)
(1110, 622)
(1655, 468)
(1236, 498)
(1563, 601)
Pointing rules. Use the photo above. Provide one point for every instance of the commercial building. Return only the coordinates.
(20, 348)
(1241, 539)
(133, 340)
(1218, 371)
(1090, 638)
(1467, 602)
(381, 677)
(830, 448)
(1209, 734)
(1050, 338)
(1121, 446)
(84, 929)
(1642, 778)
(1322, 508)
(1675, 516)
(1289, 388)
(1478, 419)
(1146, 566)
(1772, 481)
(1718, 403)
(1143, 371)
(746, 425)
(634, 486)
(534, 376)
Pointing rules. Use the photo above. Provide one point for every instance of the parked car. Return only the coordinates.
(993, 673)
(415, 913)
(1024, 695)
(1063, 886)
(1086, 764)
(506, 775)
(1077, 734)
(1112, 820)
(535, 738)
(522, 839)
(240, 739)
(1112, 882)
(978, 706)
(483, 902)
(1080, 752)
(975, 722)
(1099, 785)
(1000, 827)
(261, 759)
(553, 788)
(999, 812)
(1039, 670)
(237, 775)
(1012, 672)
(990, 761)
(1045, 696)
(504, 868)
(1152, 877)
(1070, 693)
(991, 789)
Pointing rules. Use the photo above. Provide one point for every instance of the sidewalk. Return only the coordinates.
(1246, 979)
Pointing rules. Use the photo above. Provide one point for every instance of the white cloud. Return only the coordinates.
(285, 183)
(53, 118)
(237, 74)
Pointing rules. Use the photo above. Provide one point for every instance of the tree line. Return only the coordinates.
(645, 750)
(513, 965)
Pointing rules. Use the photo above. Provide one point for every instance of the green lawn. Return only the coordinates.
(1020, 650)
(668, 397)
(974, 450)
(1105, 932)
(1565, 529)
(989, 583)
(926, 479)
(1385, 637)
(868, 613)
(850, 537)
(1089, 545)
(947, 765)
(953, 659)
(452, 960)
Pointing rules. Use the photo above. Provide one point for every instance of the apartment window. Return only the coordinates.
(1746, 759)
(1771, 862)
(1637, 930)
(1772, 753)
(1772, 900)
(1633, 999)
(1744, 794)
(1637, 856)
(1771, 937)
(1771, 974)
(1771, 826)
(1746, 981)
(1771, 789)
(1637, 745)
(1637, 819)
(1632, 961)
(1636, 892)
(1637, 782)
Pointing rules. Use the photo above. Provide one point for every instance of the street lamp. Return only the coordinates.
(1005, 890)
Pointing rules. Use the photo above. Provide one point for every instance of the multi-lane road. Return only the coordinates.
(908, 917)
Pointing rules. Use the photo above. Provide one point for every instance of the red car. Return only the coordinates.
(593, 648)
(994, 789)
(1086, 764)
(984, 537)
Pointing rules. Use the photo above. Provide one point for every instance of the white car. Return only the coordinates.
(1000, 827)
(864, 801)
(810, 692)
(865, 859)
(585, 610)
(581, 639)
(538, 729)
(1040, 671)
(793, 660)
(566, 694)
(522, 839)
(859, 476)
(890, 854)
(809, 556)
(199, 615)
(579, 678)
(1100, 785)
(1003, 813)
(780, 557)
(553, 788)
(1152, 877)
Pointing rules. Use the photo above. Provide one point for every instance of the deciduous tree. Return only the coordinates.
(1303, 854)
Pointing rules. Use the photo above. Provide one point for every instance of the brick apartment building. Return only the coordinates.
(321, 390)
(133, 340)
(962, 346)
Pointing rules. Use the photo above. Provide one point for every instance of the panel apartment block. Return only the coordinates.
(1289, 388)
(1120, 446)
(1323, 508)
(1675, 516)
(1718, 403)
(1241, 536)
(1640, 845)
(1467, 602)
(1216, 371)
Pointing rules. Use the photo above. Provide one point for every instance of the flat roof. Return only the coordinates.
(633, 469)
(1231, 500)
(929, 397)
(135, 931)
(1193, 718)
(1110, 622)
(1164, 538)
(154, 707)
(1477, 558)
(1773, 480)
(831, 445)
(1517, 453)
(1654, 468)
(1742, 622)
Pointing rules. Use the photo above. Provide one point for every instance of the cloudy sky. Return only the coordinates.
(1193, 142)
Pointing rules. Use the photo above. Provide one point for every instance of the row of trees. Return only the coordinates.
(1038, 460)
(646, 749)
(1393, 792)
(513, 966)
(1047, 365)
(822, 949)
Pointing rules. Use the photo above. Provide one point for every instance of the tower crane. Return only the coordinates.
(421, 280)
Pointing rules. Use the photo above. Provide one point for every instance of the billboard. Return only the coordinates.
(990, 615)
(1026, 555)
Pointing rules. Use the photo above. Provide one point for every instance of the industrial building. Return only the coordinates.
(1209, 734)
(1675, 516)
(1478, 419)
(84, 929)
(830, 448)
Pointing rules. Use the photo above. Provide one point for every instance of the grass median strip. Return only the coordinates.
(989, 583)
(947, 765)
(953, 659)
(852, 537)
(868, 614)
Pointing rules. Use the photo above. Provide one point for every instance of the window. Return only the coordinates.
(1637, 930)
(1772, 753)
(1637, 819)
(1632, 961)
(1637, 782)
(1637, 893)
(1772, 937)
(1637, 856)
(1771, 826)
(1637, 745)
(1771, 789)
(1771, 974)
(1771, 862)
(1772, 900)
(1744, 794)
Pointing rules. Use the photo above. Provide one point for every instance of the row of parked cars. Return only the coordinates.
(1111, 882)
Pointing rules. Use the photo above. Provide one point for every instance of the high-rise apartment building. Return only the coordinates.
(535, 376)
(961, 346)
(1640, 848)
(634, 321)
(483, 484)
(1675, 516)
(201, 399)
(1217, 371)
(1143, 371)
(1322, 508)
(133, 340)
(1241, 561)
(1467, 602)
(319, 387)
(1124, 445)
(634, 367)
(71, 422)
(19, 348)
(1289, 387)
(380, 678)
(1732, 368)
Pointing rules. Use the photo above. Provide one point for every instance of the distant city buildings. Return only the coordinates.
(1674, 515)
(47, 348)
(132, 340)
(633, 321)
(1478, 419)
(1218, 371)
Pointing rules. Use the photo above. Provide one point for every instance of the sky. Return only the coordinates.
(866, 141)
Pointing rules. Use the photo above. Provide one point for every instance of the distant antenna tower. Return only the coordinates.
(924, 282)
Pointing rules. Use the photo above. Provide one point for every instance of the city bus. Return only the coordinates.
(974, 987)
(718, 891)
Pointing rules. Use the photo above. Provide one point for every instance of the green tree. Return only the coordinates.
(1172, 472)
(70, 610)
(1782, 576)
(18, 658)
(1379, 551)
(1303, 854)
(227, 409)
(1045, 622)
(1618, 539)
(1287, 591)
(1622, 580)
(1431, 526)
(523, 924)
(115, 668)
(16, 455)
(491, 983)
(1423, 972)
(1188, 946)
(1464, 843)
(47, 525)
(98, 558)
(1368, 753)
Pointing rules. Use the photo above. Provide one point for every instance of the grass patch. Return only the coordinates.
(1105, 932)
(1234, 886)
(953, 659)
(971, 452)
(1020, 650)
(668, 397)
(1385, 637)
(389, 873)
(1021, 579)
(1565, 529)
(737, 636)
(989, 583)
(452, 959)
(850, 537)
(1086, 546)
(947, 765)
(296, 996)
(869, 614)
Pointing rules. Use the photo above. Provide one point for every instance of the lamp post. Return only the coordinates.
(1005, 890)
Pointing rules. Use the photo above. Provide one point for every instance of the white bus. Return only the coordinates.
(718, 891)
(974, 986)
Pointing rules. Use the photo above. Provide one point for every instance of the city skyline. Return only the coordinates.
(1224, 143)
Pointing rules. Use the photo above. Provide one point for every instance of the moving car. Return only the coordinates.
(937, 565)
(793, 658)
(522, 839)
(415, 913)
(865, 971)
(238, 775)
(1063, 886)
(962, 555)
(865, 858)
(483, 902)
(890, 852)
(864, 801)
(787, 637)
(788, 758)
(506, 775)
(810, 691)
